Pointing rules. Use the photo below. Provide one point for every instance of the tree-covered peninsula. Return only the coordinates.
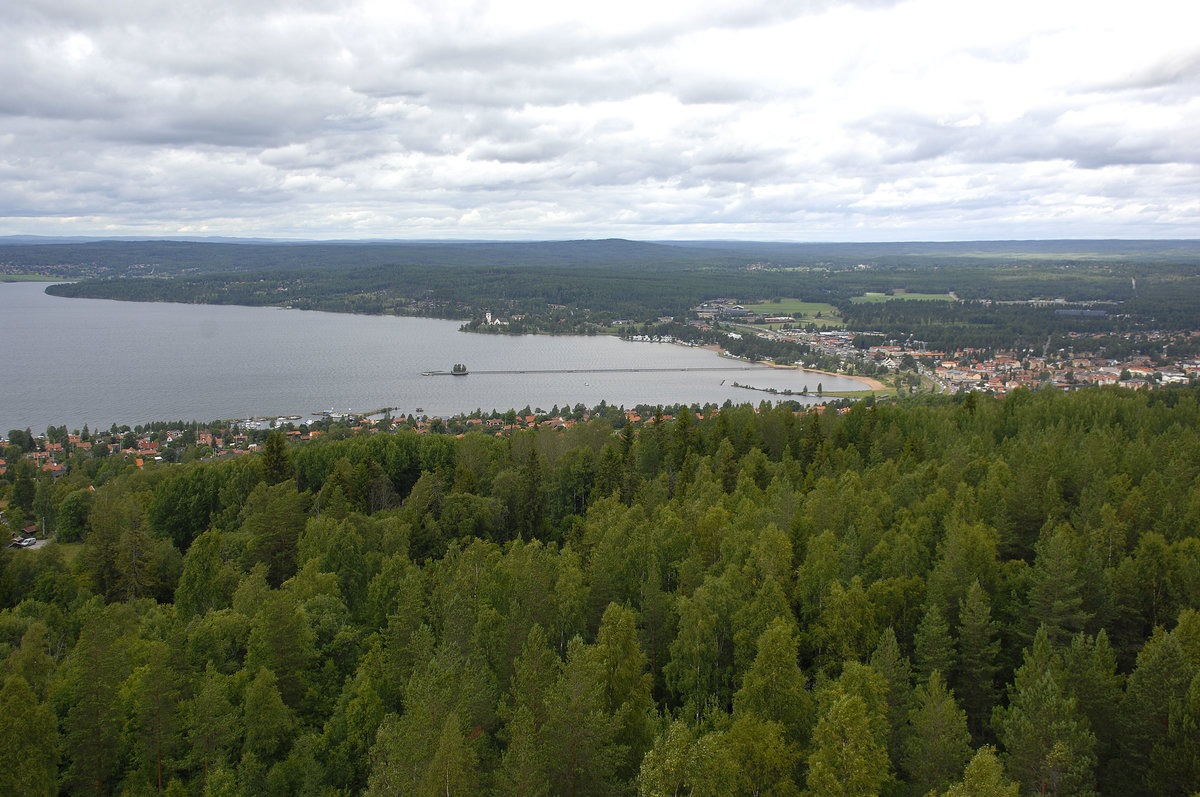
(948, 596)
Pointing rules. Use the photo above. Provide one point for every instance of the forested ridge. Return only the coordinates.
(573, 287)
(968, 596)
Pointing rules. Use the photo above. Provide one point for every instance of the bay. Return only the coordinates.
(68, 362)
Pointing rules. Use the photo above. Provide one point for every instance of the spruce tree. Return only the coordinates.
(275, 461)
(933, 647)
(1048, 746)
(1160, 681)
(978, 649)
(31, 725)
(938, 744)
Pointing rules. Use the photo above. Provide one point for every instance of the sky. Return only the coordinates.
(804, 120)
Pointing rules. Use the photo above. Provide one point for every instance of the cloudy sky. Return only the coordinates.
(803, 120)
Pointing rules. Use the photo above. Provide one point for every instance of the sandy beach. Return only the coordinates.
(868, 382)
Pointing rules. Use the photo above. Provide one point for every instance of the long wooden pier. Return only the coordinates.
(599, 370)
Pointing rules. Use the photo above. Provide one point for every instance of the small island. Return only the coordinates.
(459, 369)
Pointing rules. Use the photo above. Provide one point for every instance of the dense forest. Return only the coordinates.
(582, 286)
(967, 596)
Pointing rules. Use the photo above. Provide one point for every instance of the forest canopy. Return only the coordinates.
(949, 596)
(583, 286)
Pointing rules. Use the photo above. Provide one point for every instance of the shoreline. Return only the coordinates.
(870, 382)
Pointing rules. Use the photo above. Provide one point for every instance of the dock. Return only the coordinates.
(600, 370)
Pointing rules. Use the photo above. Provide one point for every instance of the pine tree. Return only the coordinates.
(895, 668)
(213, 722)
(1048, 746)
(32, 659)
(31, 725)
(933, 647)
(978, 648)
(90, 681)
(626, 684)
(1160, 680)
(1089, 672)
(453, 770)
(157, 690)
(207, 582)
(523, 766)
(282, 641)
(846, 628)
(1055, 588)
(938, 744)
(580, 736)
(1175, 761)
(268, 721)
(275, 462)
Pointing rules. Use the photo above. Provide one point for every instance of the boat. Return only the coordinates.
(459, 369)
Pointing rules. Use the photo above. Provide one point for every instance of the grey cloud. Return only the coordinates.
(1177, 70)
(295, 118)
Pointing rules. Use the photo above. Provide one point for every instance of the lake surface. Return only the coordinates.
(76, 361)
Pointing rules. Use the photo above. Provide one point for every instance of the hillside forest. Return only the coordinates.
(1110, 288)
(947, 596)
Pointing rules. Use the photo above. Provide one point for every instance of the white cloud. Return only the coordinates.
(538, 119)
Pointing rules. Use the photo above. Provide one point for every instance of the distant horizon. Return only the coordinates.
(18, 238)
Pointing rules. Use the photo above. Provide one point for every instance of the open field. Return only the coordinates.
(873, 298)
(829, 316)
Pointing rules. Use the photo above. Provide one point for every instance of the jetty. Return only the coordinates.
(598, 370)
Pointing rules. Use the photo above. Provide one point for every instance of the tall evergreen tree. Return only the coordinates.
(893, 665)
(1175, 761)
(276, 464)
(91, 678)
(1055, 588)
(268, 721)
(213, 722)
(1089, 673)
(157, 690)
(938, 744)
(1160, 681)
(580, 736)
(282, 640)
(978, 648)
(31, 726)
(933, 646)
(207, 581)
(1048, 746)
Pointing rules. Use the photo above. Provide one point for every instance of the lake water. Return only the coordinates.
(76, 361)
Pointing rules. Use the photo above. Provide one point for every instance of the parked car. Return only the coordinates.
(28, 542)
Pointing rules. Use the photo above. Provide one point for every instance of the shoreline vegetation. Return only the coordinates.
(983, 315)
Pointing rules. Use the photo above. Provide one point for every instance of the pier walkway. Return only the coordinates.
(598, 370)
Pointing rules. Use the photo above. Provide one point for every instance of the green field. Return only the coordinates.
(829, 316)
(875, 298)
